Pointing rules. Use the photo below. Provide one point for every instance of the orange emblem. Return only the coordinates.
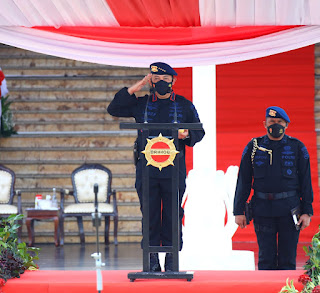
(272, 113)
(154, 68)
(160, 152)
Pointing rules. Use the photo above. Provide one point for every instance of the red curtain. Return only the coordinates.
(156, 13)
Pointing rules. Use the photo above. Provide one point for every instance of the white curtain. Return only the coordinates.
(259, 12)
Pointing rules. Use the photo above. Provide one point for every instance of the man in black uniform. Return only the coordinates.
(161, 106)
(277, 168)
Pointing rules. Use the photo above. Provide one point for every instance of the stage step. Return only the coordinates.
(59, 109)
(75, 139)
(90, 237)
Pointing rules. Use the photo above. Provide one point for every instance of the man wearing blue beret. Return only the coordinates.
(163, 105)
(277, 167)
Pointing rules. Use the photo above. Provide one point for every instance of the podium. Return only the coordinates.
(174, 249)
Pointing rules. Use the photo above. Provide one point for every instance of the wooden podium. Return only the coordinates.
(174, 249)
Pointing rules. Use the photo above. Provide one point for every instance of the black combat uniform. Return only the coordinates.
(153, 110)
(279, 173)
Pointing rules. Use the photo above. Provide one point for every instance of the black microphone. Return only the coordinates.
(95, 190)
(152, 90)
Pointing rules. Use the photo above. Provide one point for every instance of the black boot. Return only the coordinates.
(154, 263)
(168, 265)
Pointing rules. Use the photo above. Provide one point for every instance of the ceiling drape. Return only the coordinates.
(141, 55)
(180, 32)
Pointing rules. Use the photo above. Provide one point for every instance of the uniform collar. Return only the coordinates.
(267, 140)
(172, 97)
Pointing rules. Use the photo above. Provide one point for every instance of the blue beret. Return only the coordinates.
(277, 112)
(162, 68)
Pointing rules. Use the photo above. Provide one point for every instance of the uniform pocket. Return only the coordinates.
(288, 169)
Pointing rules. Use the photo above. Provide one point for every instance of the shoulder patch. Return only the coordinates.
(244, 151)
(305, 153)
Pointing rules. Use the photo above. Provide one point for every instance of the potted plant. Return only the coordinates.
(15, 258)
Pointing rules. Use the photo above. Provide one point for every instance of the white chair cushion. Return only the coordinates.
(5, 185)
(7, 209)
(85, 180)
(88, 208)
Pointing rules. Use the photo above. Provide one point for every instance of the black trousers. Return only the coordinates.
(160, 210)
(277, 239)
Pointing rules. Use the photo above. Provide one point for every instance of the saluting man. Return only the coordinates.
(277, 167)
(163, 105)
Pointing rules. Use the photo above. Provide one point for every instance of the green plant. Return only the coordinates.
(311, 278)
(7, 125)
(15, 258)
(289, 288)
(313, 264)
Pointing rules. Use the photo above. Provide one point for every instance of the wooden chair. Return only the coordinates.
(7, 193)
(83, 179)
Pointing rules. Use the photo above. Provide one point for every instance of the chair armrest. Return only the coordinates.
(18, 194)
(63, 193)
(114, 200)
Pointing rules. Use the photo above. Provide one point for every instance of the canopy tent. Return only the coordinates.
(180, 32)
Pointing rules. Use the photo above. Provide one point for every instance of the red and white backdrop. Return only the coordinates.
(263, 52)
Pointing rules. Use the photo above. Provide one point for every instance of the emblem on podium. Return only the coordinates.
(160, 152)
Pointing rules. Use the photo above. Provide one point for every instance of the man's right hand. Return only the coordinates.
(241, 221)
(140, 84)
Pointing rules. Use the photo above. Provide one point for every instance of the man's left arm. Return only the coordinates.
(306, 195)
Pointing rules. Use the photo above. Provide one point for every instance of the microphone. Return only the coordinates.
(95, 190)
(152, 90)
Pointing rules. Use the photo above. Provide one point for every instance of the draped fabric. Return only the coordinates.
(180, 32)
(141, 55)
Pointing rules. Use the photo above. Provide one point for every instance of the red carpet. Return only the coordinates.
(116, 281)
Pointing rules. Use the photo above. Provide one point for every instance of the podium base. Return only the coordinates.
(160, 275)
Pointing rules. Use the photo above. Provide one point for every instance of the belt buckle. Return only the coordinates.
(270, 196)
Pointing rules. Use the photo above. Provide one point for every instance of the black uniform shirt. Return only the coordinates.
(156, 110)
(287, 168)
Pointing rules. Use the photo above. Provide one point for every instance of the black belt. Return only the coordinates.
(275, 196)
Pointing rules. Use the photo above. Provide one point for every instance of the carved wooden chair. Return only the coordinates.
(83, 180)
(7, 193)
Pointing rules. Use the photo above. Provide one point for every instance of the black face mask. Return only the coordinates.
(276, 130)
(163, 87)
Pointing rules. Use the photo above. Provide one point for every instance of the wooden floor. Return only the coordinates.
(125, 256)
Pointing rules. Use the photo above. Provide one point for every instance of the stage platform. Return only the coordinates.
(117, 281)
(125, 256)
(72, 269)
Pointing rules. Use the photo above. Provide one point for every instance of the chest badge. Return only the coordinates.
(160, 152)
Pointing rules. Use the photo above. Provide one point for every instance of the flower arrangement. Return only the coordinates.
(7, 125)
(311, 278)
(14, 257)
(6, 121)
